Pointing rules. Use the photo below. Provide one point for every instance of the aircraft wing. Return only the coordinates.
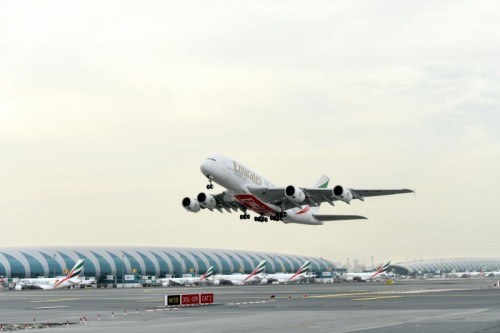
(228, 206)
(324, 218)
(314, 196)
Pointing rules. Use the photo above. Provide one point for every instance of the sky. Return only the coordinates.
(108, 108)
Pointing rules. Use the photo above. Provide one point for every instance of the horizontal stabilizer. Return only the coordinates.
(324, 218)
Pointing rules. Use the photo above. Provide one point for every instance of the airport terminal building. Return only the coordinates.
(25, 262)
(443, 266)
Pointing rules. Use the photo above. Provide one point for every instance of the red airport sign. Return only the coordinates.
(190, 299)
(206, 298)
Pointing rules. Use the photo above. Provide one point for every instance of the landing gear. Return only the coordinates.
(260, 218)
(210, 186)
(278, 217)
(244, 216)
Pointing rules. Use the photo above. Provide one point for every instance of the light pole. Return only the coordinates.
(54, 265)
(372, 263)
(274, 263)
(123, 270)
(182, 261)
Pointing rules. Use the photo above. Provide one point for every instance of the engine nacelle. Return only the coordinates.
(342, 194)
(191, 205)
(206, 200)
(295, 194)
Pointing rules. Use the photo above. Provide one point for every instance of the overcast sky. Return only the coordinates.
(107, 109)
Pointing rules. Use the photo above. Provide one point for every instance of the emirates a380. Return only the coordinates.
(247, 191)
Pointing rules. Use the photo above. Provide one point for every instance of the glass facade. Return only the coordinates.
(441, 266)
(157, 261)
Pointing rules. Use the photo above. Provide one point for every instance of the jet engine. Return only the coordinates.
(191, 205)
(295, 194)
(342, 194)
(206, 200)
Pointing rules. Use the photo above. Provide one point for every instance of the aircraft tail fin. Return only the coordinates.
(259, 269)
(321, 183)
(76, 270)
(208, 274)
(303, 269)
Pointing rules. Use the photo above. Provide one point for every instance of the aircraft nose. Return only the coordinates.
(206, 167)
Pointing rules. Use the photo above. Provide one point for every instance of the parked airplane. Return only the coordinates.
(289, 277)
(53, 283)
(482, 272)
(366, 276)
(491, 274)
(188, 281)
(247, 190)
(241, 279)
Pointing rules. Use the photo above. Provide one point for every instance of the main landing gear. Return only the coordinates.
(278, 217)
(244, 216)
(260, 218)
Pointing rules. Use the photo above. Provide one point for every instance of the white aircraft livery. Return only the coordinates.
(241, 279)
(53, 283)
(289, 277)
(246, 190)
(366, 276)
(189, 281)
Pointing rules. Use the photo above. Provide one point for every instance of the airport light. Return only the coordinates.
(182, 262)
(232, 266)
(123, 270)
(54, 265)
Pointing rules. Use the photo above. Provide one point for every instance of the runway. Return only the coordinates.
(463, 306)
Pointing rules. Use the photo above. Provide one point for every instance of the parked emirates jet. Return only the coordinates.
(241, 279)
(189, 281)
(366, 276)
(246, 190)
(289, 277)
(67, 281)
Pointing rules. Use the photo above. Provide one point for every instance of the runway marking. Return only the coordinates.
(56, 300)
(51, 307)
(375, 298)
(149, 300)
(340, 295)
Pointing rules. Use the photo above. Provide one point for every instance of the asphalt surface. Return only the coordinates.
(462, 306)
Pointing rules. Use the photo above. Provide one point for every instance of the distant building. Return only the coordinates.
(440, 266)
(100, 261)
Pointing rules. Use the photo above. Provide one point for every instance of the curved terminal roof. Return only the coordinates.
(156, 261)
(439, 266)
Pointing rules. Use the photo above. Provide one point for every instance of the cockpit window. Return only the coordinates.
(211, 159)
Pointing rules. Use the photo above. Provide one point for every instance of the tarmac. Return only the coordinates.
(437, 306)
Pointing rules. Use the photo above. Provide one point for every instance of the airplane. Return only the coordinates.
(482, 272)
(493, 274)
(53, 283)
(247, 191)
(366, 276)
(241, 279)
(191, 281)
(289, 277)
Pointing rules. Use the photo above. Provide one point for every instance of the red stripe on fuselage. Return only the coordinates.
(253, 203)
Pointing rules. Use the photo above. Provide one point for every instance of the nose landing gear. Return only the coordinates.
(210, 186)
